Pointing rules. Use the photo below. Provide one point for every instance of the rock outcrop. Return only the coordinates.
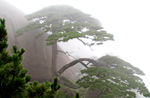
(14, 20)
(38, 56)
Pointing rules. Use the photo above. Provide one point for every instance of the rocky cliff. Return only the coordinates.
(38, 56)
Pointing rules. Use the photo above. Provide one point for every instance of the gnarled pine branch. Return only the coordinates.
(65, 67)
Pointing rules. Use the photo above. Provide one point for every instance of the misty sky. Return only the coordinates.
(127, 20)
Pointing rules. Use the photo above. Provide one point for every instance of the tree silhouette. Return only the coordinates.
(63, 23)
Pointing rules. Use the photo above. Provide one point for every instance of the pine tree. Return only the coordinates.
(14, 81)
(13, 76)
(42, 90)
(63, 23)
(115, 79)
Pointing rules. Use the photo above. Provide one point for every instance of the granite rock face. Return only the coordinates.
(38, 55)
(14, 20)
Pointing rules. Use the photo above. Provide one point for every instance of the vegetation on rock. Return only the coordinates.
(63, 23)
(109, 77)
(14, 81)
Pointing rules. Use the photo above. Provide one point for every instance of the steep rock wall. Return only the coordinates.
(14, 20)
(38, 56)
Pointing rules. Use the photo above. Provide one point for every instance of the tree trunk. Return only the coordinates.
(54, 58)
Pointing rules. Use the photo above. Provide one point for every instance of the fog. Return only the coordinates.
(127, 20)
